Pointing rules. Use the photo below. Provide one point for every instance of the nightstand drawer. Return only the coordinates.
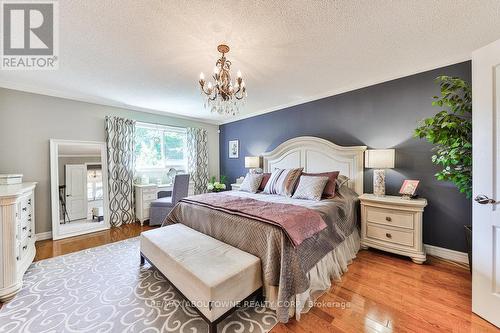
(390, 217)
(389, 235)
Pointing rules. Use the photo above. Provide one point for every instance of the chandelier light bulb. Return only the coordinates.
(209, 85)
(216, 70)
(238, 74)
(202, 76)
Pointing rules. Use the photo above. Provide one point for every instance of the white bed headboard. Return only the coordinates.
(318, 155)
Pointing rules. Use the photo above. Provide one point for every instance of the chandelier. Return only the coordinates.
(223, 96)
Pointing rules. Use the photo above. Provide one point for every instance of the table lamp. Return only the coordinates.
(379, 159)
(253, 163)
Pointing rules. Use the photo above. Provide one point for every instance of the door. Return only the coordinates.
(76, 191)
(486, 182)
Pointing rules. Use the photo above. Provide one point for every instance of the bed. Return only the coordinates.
(294, 274)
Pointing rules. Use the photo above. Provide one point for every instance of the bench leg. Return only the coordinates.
(142, 260)
(212, 328)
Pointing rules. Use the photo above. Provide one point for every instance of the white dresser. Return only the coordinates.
(17, 241)
(144, 194)
(393, 224)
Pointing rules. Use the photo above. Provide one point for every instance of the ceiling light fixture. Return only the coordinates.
(222, 96)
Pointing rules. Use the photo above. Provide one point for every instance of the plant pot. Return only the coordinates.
(468, 239)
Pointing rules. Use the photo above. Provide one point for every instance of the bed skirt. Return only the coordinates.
(331, 267)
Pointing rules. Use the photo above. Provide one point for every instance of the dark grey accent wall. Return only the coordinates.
(379, 116)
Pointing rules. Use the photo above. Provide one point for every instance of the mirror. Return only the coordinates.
(79, 187)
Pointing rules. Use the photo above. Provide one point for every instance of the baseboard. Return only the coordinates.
(441, 252)
(43, 236)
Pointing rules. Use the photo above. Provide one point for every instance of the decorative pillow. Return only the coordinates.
(329, 190)
(265, 179)
(251, 182)
(269, 188)
(310, 188)
(283, 181)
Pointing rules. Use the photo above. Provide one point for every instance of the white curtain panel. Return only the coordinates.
(120, 142)
(197, 145)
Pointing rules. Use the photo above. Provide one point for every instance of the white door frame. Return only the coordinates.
(57, 233)
(486, 182)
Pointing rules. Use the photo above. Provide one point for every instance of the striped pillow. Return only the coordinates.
(283, 181)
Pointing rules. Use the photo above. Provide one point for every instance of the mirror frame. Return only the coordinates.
(54, 188)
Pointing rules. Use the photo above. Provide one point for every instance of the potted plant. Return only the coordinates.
(450, 130)
(216, 186)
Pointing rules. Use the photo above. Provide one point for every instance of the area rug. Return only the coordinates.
(104, 289)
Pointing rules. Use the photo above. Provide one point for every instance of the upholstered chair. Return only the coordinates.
(160, 208)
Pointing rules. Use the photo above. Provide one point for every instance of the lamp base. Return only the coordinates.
(379, 182)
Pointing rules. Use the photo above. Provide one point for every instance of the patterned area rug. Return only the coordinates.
(104, 289)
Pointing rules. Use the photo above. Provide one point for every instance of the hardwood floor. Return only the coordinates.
(388, 293)
(49, 248)
(380, 292)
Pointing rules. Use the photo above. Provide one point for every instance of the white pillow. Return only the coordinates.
(251, 182)
(310, 188)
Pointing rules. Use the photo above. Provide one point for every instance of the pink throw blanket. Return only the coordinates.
(298, 223)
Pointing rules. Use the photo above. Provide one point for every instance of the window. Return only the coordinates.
(160, 147)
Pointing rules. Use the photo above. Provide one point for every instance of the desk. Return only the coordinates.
(144, 194)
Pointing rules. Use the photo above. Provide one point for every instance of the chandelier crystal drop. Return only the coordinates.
(223, 96)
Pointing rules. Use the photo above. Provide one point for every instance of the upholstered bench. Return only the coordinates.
(212, 275)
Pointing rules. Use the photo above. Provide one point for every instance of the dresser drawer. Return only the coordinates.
(389, 235)
(149, 196)
(24, 231)
(390, 217)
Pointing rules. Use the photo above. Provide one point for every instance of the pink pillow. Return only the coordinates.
(329, 190)
(264, 181)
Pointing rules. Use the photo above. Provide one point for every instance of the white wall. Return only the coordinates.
(28, 121)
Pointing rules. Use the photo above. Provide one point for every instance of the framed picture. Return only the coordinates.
(409, 188)
(234, 149)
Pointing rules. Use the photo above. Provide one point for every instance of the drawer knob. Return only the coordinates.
(24, 228)
(25, 247)
(388, 235)
(388, 219)
(24, 209)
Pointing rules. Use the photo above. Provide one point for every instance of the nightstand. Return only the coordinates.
(393, 224)
(235, 186)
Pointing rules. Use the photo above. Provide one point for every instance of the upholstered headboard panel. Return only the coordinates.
(318, 155)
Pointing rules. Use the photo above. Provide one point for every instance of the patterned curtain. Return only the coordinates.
(120, 142)
(198, 158)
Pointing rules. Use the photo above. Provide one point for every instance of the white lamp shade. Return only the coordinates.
(252, 162)
(379, 158)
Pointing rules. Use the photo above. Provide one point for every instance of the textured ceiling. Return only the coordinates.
(147, 55)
